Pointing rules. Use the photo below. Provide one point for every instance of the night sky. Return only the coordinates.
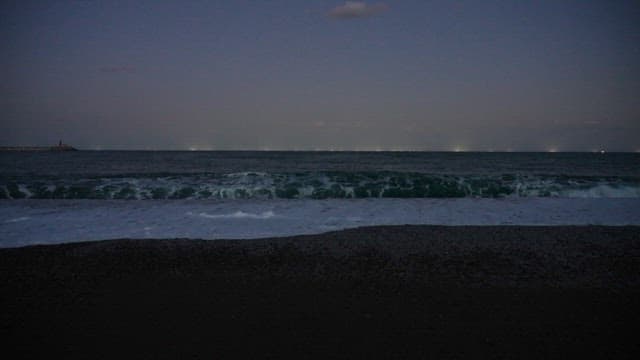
(326, 75)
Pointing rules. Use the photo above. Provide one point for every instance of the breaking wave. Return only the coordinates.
(317, 185)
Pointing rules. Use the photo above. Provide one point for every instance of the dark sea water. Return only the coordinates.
(143, 175)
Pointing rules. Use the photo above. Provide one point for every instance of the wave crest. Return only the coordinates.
(319, 185)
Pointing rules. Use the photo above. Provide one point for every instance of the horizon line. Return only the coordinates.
(458, 149)
(365, 151)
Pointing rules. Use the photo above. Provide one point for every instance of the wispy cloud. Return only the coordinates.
(357, 9)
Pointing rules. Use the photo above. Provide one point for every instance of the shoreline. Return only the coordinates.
(564, 253)
(25, 222)
(380, 292)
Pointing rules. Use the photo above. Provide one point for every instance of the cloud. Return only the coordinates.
(357, 9)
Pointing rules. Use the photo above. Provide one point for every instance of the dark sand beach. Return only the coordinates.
(379, 292)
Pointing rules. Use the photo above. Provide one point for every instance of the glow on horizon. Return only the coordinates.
(199, 148)
(194, 148)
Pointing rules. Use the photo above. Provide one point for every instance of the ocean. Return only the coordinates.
(90, 195)
(147, 175)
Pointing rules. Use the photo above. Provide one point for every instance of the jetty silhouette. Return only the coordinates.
(60, 147)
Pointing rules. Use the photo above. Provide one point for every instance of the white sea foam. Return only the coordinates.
(246, 173)
(23, 218)
(57, 221)
(604, 191)
(239, 215)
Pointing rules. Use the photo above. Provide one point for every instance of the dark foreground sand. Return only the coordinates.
(381, 292)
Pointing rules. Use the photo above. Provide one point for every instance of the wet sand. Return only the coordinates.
(377, 292)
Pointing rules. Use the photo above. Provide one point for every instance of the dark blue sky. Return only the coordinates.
(397, 75)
